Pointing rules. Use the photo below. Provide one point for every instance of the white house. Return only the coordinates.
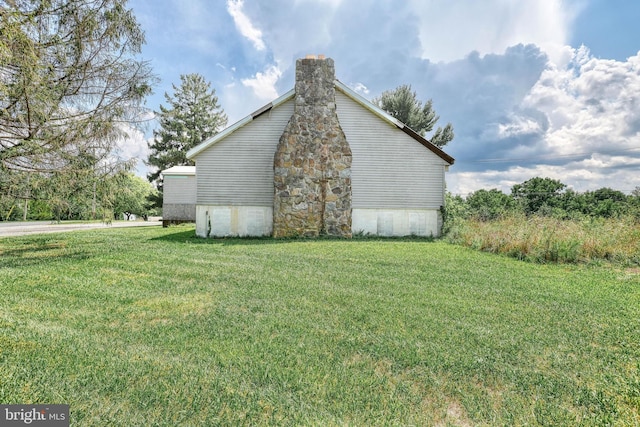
(286, 169)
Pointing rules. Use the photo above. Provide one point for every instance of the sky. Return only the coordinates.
(547, 88)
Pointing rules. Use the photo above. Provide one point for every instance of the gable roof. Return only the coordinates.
(342, 88)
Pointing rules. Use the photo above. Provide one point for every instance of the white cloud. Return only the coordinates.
(591, 105)
(499, 70)
(133, 145)
(331, 3)
(517, 127)
(450, 30)
(579, 124)
(585, 175)
(244, 24)
(360, 88)
(264, 84)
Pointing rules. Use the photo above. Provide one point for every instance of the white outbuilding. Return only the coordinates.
(179, 195)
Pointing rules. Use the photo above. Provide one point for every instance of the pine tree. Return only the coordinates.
(403, 104)
(192, 116)
(70, 74)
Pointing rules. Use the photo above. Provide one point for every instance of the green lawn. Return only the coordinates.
(152, 326)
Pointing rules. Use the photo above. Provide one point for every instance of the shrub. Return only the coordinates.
(454, 211)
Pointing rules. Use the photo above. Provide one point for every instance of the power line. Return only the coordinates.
(547, 157)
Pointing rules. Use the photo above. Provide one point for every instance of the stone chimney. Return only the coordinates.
(312, 164)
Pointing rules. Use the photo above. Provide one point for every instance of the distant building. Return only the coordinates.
(179, 195)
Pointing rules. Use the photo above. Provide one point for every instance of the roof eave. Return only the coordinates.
(434, 148)
(179, 171)
(367, 104)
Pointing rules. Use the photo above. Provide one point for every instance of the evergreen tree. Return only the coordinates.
(192, 115)
(68, 74)
(403, 104)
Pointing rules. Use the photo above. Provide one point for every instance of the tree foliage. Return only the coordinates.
(79, 195)
(131, 195)
(455, 210)
(192, 115)
(541, 197)
(490, 204)
(68, 76)
(537, 193)
(402, 103)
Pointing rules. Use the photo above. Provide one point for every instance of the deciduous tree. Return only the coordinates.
(537, 192)
(131, 194)
(402, 103)
(491, 204)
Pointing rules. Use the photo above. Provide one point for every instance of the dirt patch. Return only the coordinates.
(456, 415)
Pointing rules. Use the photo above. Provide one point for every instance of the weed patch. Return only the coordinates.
(544, 239)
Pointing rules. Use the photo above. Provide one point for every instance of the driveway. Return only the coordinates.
(19, 228)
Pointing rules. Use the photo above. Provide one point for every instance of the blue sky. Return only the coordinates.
(532, 87)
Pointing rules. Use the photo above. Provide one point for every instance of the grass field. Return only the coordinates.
(152, 326)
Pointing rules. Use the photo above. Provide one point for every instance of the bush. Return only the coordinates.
(455, 210)
(487, 205)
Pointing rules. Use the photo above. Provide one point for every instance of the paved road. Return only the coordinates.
(33, 227)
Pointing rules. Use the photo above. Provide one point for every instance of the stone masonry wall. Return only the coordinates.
(312, 164)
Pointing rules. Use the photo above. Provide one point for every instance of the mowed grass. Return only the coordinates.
(153, 326)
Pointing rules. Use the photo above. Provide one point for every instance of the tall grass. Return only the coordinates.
(547, 239)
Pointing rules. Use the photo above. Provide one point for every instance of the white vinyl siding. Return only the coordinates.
(238, 170)
(389, 169)
(179, 189)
